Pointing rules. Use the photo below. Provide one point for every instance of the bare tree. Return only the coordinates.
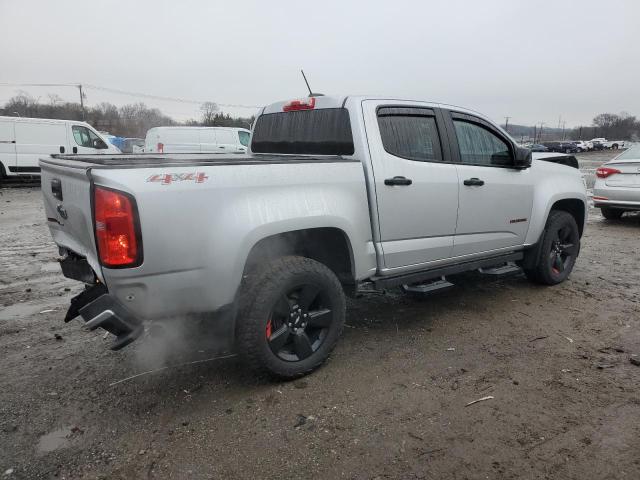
(209, 110)
(54, 99)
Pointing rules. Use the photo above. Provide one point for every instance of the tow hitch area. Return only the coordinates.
(99, 309)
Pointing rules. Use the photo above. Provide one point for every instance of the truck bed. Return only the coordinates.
(147, 160)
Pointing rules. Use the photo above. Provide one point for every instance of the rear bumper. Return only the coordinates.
(615, 196)
(616, 204)
(99, 309)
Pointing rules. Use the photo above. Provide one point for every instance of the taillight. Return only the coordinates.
(300, 104)
(117, 230)
(160, 147)
(604, 172)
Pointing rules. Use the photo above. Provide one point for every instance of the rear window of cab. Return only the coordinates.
(325, 131)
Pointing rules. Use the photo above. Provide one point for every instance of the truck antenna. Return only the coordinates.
(305, 81)
(311, 94)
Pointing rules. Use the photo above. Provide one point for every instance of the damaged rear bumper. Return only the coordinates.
(99, 309)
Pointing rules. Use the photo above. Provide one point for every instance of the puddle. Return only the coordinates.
(54, 440)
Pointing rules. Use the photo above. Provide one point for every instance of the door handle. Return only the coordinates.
(398, 181)
(473, 182)
(220, 147)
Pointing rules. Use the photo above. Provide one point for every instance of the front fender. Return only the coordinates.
(553, 183)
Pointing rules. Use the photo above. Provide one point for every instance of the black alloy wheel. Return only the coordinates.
(563, 250)
(299, 322)
(552, 261)
(292, 311)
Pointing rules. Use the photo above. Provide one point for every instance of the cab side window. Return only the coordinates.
(410, 133)
(479, 146)
(81, 136)
(244, 138)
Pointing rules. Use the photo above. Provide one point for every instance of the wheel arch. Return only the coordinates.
(575, 208)
(328, 245)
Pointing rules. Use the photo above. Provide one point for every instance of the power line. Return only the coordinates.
(125, 92)
(6, 84)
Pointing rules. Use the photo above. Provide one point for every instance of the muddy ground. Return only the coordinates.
(391, 402)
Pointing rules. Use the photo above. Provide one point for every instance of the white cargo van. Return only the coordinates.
(197, 139)
(23, 141)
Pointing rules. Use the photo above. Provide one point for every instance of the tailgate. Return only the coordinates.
(628, 177)
(68, 207)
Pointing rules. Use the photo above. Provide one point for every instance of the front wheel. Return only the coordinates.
(559, 248)
(292, 314)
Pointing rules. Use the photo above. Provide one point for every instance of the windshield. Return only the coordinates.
(325, 131)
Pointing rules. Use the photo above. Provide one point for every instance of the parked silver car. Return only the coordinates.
(617, 187)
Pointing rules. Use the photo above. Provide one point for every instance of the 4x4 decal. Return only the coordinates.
(168, 178)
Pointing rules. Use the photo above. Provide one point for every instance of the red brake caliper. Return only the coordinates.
(269, 329)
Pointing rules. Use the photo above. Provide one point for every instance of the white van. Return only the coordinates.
(197, 139)
(23, 141)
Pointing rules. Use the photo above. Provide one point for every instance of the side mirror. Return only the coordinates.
(99, 144)
(523, 158)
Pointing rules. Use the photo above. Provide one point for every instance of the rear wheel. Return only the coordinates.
(611, 213)
(291, 317)
(559, 248)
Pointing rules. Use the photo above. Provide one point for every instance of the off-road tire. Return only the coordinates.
(259, 293)
(611, 213)
(542, 272)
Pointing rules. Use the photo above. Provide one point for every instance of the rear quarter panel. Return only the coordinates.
(197, 236)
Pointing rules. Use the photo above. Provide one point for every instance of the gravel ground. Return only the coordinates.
(391, 402)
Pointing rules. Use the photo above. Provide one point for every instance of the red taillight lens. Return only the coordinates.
(604, 172)
(300, 104)
(160, 147)
(116, 228)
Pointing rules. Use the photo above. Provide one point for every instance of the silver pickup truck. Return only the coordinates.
(335, 193)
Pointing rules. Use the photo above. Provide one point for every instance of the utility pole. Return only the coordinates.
(506, 124)
(535, 134)
(81, 101)
(540, 131)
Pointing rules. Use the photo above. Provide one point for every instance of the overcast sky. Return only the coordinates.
(531, 60)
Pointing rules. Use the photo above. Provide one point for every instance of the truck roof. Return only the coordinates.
(337, 101)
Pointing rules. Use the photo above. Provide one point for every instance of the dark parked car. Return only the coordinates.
(561, 147)
(132, 145)
(537, 147)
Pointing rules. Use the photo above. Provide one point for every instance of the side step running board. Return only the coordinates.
(425, 275)
(505, 269)
(428, 287)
